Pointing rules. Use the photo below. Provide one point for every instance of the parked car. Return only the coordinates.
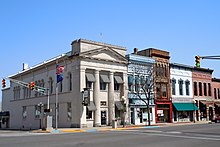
(216, 119)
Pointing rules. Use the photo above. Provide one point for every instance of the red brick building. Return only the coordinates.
(202, 92)
(162, 83)
(216, 95)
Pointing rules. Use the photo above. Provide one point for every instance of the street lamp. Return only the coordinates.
(40, 105)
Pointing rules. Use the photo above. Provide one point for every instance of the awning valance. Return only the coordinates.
(105, 79)
(118, 80)
(4, 113)
(185, 106)
(119, 105)
(90, 77)
(91, 106)
(217, 104)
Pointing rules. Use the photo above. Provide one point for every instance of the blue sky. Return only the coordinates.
(34, 31)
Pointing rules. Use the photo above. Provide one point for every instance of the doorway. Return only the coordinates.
(103, 118)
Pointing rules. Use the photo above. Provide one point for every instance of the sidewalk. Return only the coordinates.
(120, 127)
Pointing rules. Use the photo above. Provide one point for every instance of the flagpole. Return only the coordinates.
(56, 107)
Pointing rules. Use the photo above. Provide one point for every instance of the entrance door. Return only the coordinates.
(103, 117)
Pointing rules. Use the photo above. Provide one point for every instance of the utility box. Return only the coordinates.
(114, 123)
(47, 123)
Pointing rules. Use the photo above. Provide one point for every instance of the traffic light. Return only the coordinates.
(197, 60)
(31, 86)
(3, 83)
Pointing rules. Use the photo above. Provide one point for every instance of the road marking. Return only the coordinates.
(172, 135)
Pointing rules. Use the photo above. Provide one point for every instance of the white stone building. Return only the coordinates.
(98, 66)
(182, 94)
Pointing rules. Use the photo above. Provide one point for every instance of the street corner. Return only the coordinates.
(40, 131)
(70, 131)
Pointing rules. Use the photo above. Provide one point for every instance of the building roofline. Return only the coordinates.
(98, 43)
(41, 64)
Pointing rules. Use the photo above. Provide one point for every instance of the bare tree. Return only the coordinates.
(142, 85)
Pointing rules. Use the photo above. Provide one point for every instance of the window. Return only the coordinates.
(195, 89)
(70, 82)
(103, 82)
(130, 82)
(37, 111)
(205, 89)
(69, 111)
(209, 89)
(26, 92)
(158, 90)
(218, 94)
(116, 87)
(88, 113)
(181, 87)
(51, 85)
(102, 86)
(35, 92)
(117, 82)
(103, 103)
(164, 90)
(215, 93)
(200, 89)
(24, 112)
(89, 80)
(16, 92)
(137, 84)
(173, 82)
(187, 86)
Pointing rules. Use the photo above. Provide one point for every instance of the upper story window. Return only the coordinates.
(195, 89)
(209, 89)
(61, 86)
(187, 83)
(27, 92)
(90, 79)
(16, 92)
(173, 84)
(70, 81)
(200, 89)
(103, 82)
(130, 82)
(205, 89)
(181, 87)
(117, 83)
(218, 94)
(161, 90)
(215, 93)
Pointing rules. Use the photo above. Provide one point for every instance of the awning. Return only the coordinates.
(185, 106)
(90, 77)
(105, 79)
(91, 106)
(217, 104)
(119, 105)
(118, 80)
(203, 102)
(4, 113)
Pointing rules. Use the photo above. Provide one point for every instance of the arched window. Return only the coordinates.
(70, 82)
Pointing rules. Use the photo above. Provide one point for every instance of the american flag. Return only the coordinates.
(59, 69)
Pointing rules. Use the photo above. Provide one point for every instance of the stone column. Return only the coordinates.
(83, 122)
(97, 100)
(125, 94)
(111, 104)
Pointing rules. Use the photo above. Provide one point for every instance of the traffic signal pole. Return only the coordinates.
(197, 59)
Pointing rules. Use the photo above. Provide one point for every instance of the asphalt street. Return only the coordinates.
(202, 135)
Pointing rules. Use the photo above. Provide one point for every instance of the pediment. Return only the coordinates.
(106, 54)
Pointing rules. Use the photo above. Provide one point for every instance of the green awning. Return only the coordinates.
(185, 106)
